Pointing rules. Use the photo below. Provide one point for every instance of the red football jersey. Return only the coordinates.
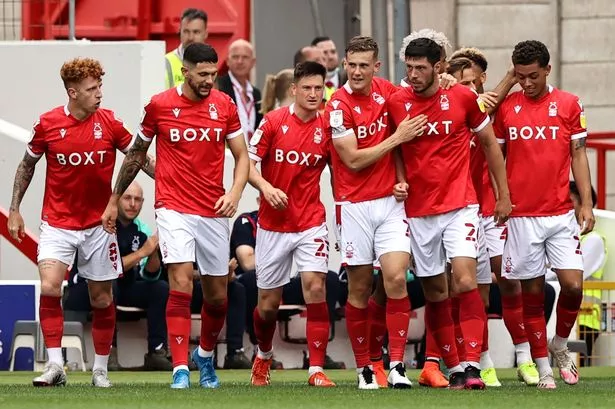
(537, 134)
(365, 117)
(293, 155)
(480, 178)
(190, 148)
(438, 162)
(80, 161)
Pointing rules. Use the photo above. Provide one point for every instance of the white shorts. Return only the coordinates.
(191, 238)
(367, 230)
(533, 240)
(275, 252)
(483, 261)
(495, 236)
(434, 238)
(98, 255)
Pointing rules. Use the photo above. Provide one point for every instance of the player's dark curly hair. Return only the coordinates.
(198, 52)
(529, 52)
(424, 47)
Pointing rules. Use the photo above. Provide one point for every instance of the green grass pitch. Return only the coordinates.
(289, 390)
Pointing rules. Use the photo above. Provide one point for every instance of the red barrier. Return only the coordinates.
(29, 244)
(601, 142)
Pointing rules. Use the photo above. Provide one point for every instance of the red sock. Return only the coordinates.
(472, 319)
(356, 325)
(317, 332)
(398, 320)
(103, 326)
(212, 321)
(178, 326)
(485, 337)
(567, 311)
(512, 313)
(264, 331)
(461, 350)
(431, 347)
(52, 320)
(534, 319)
(443, 330)
(377, 328)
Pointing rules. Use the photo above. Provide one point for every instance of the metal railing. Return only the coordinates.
(600, 342)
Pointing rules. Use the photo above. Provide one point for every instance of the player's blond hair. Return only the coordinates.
(78, 69)
(436, 36)
(276, 87)
(473, 54)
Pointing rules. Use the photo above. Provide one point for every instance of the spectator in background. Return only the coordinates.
(138, 286)
(336, 77)
(237, 85)
(310, 53)
(192, 29)
(277, 92)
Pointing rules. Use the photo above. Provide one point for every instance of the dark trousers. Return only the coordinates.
(235, 315)
(148, 295)
(292, 293)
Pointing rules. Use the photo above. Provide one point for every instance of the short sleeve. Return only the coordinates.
(339, 120)
(498, 127)
(38, 144)
(233, 125)
(577, 123)
(121, 135)
(243, 233)
(148, 127)
(476, 113)
(260, 142)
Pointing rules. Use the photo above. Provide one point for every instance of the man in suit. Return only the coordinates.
(237, 85)
(336, 77)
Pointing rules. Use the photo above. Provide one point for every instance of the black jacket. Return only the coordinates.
(225, 85)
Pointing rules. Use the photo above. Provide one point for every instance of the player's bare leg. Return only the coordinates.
(512, 314)
(265, 319)
(568, 305)
(394, 268)
(52, 273)
(439, 321)
(377, 330)
(181, 276)
(536, 327)
(317, 325)
(103, 326)
(472, 317)
(487, 368)
(360, 280)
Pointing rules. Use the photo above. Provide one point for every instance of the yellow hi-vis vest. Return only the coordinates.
(591, 311)
(173, 65)
(329, 92)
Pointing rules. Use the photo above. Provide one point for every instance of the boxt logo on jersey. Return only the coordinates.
(294, 157)
(533, 132)
(370, 130)
(81, 158)
(196, 134)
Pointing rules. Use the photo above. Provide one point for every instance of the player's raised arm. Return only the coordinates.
(23, 177)
(356, 159)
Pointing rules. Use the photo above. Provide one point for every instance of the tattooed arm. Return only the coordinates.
(133, 163)
(23, 177)
(580, 172)
(149, 166)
